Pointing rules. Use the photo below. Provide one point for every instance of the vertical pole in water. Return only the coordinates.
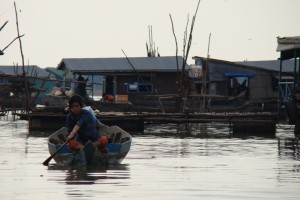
(297, 124)
(230, 127)
(295, 70)
(22, 56)
(29, 122)
(92, 86)
(104, 85)
(205, 78)
(279, 90)
(63, 83)
(298, 71)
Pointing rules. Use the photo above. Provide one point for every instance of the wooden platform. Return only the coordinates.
(256, 124)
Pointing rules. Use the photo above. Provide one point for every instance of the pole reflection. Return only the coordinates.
(288, 148)
(288, 157)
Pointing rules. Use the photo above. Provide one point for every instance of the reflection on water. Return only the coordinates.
(162, 164)
(90, 175)
(79, 178)
(288, 148)
(200, 130)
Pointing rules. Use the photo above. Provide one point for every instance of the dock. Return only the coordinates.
(256, 124)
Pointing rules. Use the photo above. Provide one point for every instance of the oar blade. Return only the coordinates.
(46, 162)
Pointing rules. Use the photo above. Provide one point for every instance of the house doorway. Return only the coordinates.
(109, 85)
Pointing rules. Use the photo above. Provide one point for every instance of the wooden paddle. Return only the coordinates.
(46, 162)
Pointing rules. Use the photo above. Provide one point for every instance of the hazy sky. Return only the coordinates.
(56, 29)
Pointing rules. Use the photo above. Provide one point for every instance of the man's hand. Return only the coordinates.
(74, 132)
(71, 136)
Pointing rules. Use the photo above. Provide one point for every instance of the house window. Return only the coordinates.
(199, 62)
(238, 86)
(139, 87)
(132, 88)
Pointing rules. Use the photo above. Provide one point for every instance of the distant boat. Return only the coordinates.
(118, 147)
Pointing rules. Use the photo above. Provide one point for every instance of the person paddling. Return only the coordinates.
(82, 127)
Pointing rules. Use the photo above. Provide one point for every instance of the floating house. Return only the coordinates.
(242, 83)
(289, 76)
(132, 79)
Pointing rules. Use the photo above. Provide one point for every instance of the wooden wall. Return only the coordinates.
(260, 85)
(164, 82)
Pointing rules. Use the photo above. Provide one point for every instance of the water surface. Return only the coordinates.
(162, 165)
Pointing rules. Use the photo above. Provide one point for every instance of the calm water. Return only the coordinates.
(168, 167)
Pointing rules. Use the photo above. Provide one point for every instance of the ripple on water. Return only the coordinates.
(161, 164)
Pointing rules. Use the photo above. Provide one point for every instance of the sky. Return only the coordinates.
(56, 29)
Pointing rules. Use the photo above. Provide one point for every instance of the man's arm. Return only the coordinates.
(73, 132)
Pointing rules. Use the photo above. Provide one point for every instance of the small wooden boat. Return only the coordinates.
(118, 147)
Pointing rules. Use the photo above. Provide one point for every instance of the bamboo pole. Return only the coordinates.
(22, 56)
(190, 39)
(205, 73)
(184, 84)
(177, 64)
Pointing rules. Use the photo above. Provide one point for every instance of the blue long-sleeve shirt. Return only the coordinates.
(87, 125)
(88, 108)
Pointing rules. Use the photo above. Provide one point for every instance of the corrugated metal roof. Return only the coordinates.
(232, 64)
(102, 65)
(17, 70)
(287, 65)
(58, 73)
(288, 43)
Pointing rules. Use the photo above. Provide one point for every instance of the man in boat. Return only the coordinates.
(87, 106)
(82, 127)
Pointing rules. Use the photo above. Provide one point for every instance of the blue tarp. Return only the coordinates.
(238, 75)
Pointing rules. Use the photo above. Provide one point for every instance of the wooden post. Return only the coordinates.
(279, 90)
(295, 69)
(176, 52)
(184, 86)
(23, 65)
(92, 86)
(299, 71)
(205, 76)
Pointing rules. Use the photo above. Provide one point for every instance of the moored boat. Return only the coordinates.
(118, 147)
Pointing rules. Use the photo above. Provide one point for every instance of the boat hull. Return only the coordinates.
(118, 148)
